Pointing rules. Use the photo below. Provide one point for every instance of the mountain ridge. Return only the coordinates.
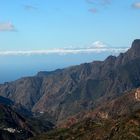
(66, 92)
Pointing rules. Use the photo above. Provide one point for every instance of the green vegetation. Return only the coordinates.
(124, 128)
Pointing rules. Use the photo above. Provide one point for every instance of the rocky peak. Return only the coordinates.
(134, 51)
(131, 54)
(110, 60)
(46, 73)
(136, 45)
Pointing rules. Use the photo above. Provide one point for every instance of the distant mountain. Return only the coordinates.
(63, 93)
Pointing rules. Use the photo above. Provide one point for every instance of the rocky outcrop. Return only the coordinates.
(137, 95)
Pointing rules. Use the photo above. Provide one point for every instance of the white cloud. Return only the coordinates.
(7, 26)
(96, 47)
(136, 5)
(99, 44)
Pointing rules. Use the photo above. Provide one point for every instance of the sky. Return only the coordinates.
(48, 34)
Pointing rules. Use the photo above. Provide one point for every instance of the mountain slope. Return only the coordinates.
(124, 105)
(14, 126)
(118, 119)
(6, 101)
(125, 128)
(62, 93)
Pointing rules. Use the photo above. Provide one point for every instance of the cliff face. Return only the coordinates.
(24, 91)
(62, 93)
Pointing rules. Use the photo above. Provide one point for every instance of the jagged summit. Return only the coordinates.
(130, 55)
(46, 73)
(136, 47)
(134, 51)
(136, 41)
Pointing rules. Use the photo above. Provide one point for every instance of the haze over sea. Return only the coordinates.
(37, 35)
(14, 67)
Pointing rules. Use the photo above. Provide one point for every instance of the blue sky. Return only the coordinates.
(40, 35)
(42, 24)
